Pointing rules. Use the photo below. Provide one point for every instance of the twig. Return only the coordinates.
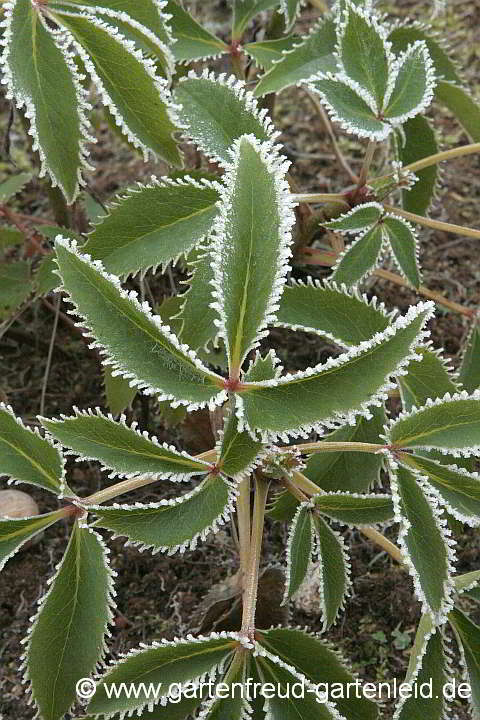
(435, 224)
(438, 158)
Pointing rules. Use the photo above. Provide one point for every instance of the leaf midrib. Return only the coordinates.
(52, 478)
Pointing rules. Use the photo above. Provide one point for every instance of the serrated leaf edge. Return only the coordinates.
(288, 548)
(384, 245)
(358, 496)
(34, 518)
(416, 242)
(333, 224)
(430, 82)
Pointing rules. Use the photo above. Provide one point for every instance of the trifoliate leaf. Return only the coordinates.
(413, 86)
(123, 449)
(424, 541)
(56, 111)
(344, 318)
(137, 98)
(359, 218)
(364, 52)
(333, 570)
(9, 188)
(164, 664)
(456, 488)
(118, 391)
(170, 525)
(404, 243)
(193, 41)
(26, 456)
(468, 637)
(267, 52)
(349, 471)
(321, 665)
(346, 107)
(16, 532)
(250, 265)
(338, 390)
(314, 54)
(451, 423)
(59, 645)
(355, 510)
(15, 285)
(432, 668)
(238, 451)
(469, 373)
(360, 257)
(136, 342)
(213, 132)
(153, 225)
(300, 546)
(425, 378)
(417, 140)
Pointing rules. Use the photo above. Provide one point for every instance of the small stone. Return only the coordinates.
(17, 504)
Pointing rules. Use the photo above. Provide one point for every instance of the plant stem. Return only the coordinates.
(327, 259)
(438, 158)
(370, 152)
(244, 524)
(435, 224)
(119, 489)
(250, 580)
(316, 447)
(320, 198)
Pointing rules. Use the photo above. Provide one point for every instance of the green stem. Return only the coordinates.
(438, 158)
(320, 198)
(244, 524)
(250, 580)
(316, 447)
(370, 152)
(435, 224)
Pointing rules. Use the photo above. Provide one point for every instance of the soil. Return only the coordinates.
(159, 596)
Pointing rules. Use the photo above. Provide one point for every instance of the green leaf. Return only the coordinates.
(162, 664)
(153, 225)
(355, 510)
(245, 10)
(426, 378)
(118, 391)
(267, 52)
(414, 84)
(262, 368)
(137, 98)
(458, 489)
(238, 451)
(403, 36)
(463, 107)
(196, 314)
(51, 232)
(449, 423)
(468, 636)
(10, 237)
(469, 373)
(44, 278)
(231, 703)
(67, 638)
(338, 390)
(319, 664)
(282, 507)
(290, 9)
(125, 450)
(424, 541)
(404, 243)
(9, 188)
(282, 705)
(56, 111)
(417, 140)
(26, 456)
(431, 668)
(299, 549)
(359, 218)
(364, 53)
(170, 525)
(250, 267)
(334, 570)
(316, 53)
(345, 319)
(16, 532)
(360, 257)
(193, 42)
(347, 108)
(349, 471)
(467, 581)
(15, 285)
(424, 630)
(137, 343)
(213, 132)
